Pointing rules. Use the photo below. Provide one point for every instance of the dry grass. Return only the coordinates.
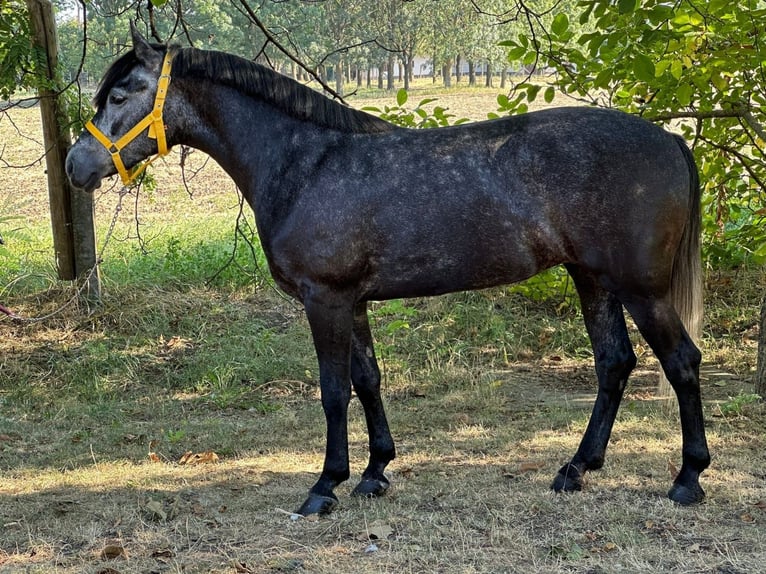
(482, 425)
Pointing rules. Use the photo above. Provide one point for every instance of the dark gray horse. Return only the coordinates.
(351, 209)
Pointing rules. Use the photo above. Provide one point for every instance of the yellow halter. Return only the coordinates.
(156, 130)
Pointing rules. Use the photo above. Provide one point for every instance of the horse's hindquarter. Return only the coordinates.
(424, 212)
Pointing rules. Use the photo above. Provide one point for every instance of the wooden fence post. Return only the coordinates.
(74, 238)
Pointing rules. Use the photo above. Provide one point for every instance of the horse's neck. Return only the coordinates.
(259, 147)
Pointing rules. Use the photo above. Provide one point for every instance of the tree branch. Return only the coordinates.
(272, 39)
(739, 112)
(757, 126)
(741, 158)
(697, 115)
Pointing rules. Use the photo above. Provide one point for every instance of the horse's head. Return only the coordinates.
(128, 126)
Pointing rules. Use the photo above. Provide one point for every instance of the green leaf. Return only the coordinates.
(626, 6)
(719, 81)
(516, 53)
(401, 97)
(560, 24)
(643, 68)
(159, 3)
(549, 94)
(661, 67)
(677, 69)
(684, 94)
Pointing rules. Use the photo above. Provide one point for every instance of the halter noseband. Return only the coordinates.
(156, 130)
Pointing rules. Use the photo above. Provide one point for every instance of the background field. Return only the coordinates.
(192, 350)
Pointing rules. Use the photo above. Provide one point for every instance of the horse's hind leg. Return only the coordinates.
(614, 360)
(680, 359)
(365, 377)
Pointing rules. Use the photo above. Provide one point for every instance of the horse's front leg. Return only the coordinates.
(331, 319)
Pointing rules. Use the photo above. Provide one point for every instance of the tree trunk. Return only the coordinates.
(458, 68)
(488, 74)
(471, 73)
(760, 371)
(406, 69)
(390, 72)
(503, 77)
(74, 237)
(339, 77)
(447, 74)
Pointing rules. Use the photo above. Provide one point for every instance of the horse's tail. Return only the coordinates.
(686, 278)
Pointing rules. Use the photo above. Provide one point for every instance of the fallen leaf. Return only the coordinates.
(747, 518)
(207, 457)
(760, 505)
(177, 344)
(188, 454)
(154, 458)
(112, 552)
(531, 466)
(163, 553)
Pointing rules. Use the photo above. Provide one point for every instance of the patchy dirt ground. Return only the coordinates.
(471, 488)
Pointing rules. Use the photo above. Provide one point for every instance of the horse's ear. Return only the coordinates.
(145, 53)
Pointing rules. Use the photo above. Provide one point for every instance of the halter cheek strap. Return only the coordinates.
(153, 120)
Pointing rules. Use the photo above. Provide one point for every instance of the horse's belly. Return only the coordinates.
(421, 275)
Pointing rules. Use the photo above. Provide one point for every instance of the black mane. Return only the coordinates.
(254, 80)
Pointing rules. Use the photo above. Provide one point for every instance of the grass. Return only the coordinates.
(488, 393)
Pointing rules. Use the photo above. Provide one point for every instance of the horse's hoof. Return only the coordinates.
(318, 504)
(371, 488)
(685, 495)
(568, 479)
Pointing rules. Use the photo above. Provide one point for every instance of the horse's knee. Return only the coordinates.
(682, 367)
(614, 368)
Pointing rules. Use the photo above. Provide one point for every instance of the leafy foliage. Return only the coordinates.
(419, 116)
(16, 55)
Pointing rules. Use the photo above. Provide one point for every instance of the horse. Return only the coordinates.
(352, 209)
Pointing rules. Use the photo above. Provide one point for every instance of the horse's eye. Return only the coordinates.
(117, 99)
